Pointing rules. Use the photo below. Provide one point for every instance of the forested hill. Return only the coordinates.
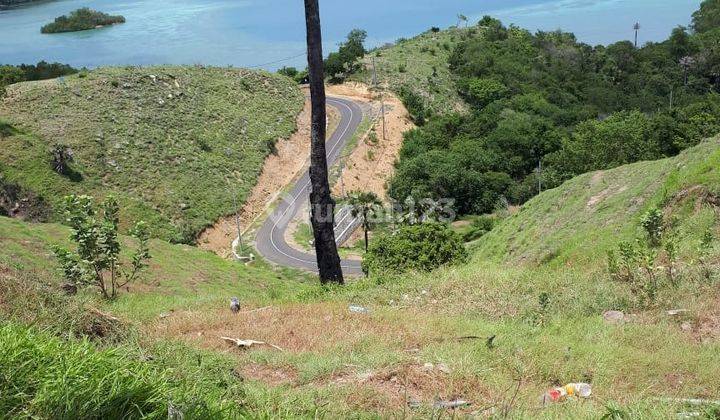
(545, 107)
(8, 3)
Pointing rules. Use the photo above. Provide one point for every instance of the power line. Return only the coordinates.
(277, 61)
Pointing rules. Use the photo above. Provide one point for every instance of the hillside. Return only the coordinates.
(476, 332)
(579, 221)
(173, 143)
(419, 64)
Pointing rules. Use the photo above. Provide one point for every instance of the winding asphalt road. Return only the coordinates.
(270, 239)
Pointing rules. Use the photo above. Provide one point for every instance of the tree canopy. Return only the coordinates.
(545, 107)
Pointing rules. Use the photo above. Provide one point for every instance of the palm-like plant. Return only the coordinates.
(462, 18)
(364, 205)
(61, 157)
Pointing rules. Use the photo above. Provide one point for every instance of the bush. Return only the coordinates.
(97, 260)
(414, 104)
(421, 247)
(481, 92)
(479, 228)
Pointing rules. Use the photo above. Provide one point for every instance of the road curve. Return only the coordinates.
(270, 239)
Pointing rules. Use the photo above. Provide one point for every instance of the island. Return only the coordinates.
(81, 20)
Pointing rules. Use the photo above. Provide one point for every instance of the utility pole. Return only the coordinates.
(237, 222)
(382, 100)
(539, 171)
(636, 26)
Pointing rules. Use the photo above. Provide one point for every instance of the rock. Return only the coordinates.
(69, 289)
(413, 403)
(442, 367)
(450, 404)
(686, 326)
(427, 367)
(365, 376)
(358, 309)
(614, 317)
(676, 312)
(153, 78)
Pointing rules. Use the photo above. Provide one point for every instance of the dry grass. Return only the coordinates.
(297, 328)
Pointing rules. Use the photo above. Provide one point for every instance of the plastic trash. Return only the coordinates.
(580, 390)
(359, 309)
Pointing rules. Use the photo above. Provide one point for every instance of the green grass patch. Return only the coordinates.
(421, 65)
(172, 143)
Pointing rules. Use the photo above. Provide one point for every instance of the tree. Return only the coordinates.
(8, 76)
(345, 61)
(97, 259)
(364, 205)
(322, 204)
(707, 17)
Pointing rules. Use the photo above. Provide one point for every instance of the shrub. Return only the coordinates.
(421, 247)
(97, 259)
(414, 104)
(482, 92)
(479, 228)
(652, 223)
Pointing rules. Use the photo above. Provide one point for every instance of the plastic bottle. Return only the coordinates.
(580, 389)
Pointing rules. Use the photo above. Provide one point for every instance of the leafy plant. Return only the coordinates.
(704, 250)
(97, 258)
(423, 247)
(653, 224)
(61, 156)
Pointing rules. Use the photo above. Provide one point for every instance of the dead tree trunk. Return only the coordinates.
(322, 206)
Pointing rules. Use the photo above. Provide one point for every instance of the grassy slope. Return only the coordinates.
(167, 140)
(421, 56)
(579, 221)
(337, 363)
(180, 277)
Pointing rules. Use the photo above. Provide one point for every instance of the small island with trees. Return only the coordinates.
(81, 20)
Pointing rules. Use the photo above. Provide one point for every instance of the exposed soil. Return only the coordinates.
(367, 168)
(370, 166)
(279, 170)
(20, 203)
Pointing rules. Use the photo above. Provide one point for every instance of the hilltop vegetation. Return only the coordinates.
(28, 72)
(9, 3)
(545, 107)
(81, 20)
(417, 69)
(174, 144)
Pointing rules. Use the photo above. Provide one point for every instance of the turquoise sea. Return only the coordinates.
(270, 33)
